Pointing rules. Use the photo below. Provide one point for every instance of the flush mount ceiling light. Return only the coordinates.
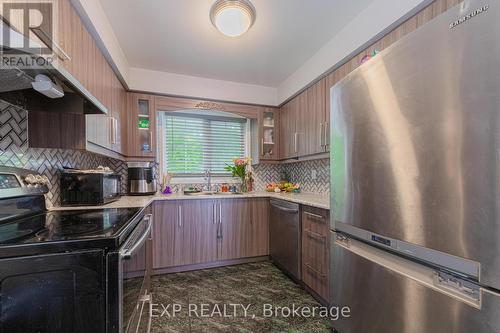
(232, 17)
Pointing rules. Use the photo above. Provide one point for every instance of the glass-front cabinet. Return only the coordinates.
(268, 124)
(142, 129)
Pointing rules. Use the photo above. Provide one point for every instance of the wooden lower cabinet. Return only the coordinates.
(315, 250)
(190, 232)
(164, 233)
(195, 233)
(244, 229)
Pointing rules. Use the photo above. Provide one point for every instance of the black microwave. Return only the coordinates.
(89, 188)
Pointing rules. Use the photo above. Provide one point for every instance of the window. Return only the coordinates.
(197, 142)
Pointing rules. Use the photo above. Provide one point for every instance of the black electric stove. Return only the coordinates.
(66, 271)
(67, 230)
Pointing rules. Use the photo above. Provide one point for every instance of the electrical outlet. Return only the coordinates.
(314, 174)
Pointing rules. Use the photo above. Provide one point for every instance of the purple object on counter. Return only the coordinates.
(167, 190)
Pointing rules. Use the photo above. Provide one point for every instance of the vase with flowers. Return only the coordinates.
(239, 169)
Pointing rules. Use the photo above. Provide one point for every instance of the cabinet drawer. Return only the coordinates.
(315, 250)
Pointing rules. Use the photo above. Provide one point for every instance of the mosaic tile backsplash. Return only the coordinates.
(14, 151)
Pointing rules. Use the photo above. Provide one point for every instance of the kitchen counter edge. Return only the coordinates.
(308, 199)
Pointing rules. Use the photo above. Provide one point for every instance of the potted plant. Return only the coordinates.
(239, 169)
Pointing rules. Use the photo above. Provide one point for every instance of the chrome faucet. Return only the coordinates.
(208, 178)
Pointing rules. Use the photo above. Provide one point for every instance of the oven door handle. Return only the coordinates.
(127, 252)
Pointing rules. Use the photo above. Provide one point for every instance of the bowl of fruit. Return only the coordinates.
(283, 187)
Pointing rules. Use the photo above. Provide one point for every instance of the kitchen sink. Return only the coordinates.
(199, 193)
(213, 193)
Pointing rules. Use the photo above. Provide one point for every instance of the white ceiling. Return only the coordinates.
(176, 36)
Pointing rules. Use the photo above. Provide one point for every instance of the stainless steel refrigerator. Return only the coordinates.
(415, 173)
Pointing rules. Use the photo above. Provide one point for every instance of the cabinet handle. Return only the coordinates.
(316, 216)
(296, 139)
(113, 131)
(215, 214)
(179, 222)
(321, 134)
(220, 213)
(115, 127)
(219, 229)
(326, 134)
(150, 140)
(316, 236)
(310, 268)
(262, 146)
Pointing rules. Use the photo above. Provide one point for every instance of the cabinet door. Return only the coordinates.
(164, 228)
(288, 130)
(257, 232)
(196, 233)
(141, 126)
(98, 128)
(301, 118)
(315, 250)
(315, 122)
(234, 218)
(268, 133)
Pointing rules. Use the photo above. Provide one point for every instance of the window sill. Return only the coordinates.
(202, 180)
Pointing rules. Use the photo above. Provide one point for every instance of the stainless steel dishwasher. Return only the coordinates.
(285, 237)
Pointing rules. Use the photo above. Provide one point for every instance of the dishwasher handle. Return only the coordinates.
(285, 209)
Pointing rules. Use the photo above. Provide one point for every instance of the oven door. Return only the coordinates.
(135, 262)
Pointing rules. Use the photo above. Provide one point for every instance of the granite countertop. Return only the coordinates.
(309, 199)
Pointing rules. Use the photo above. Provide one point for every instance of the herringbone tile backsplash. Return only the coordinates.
(14, 151)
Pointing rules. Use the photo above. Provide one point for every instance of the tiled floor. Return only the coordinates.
(249, 285)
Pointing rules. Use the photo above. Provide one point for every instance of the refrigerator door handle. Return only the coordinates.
(448, 284)
(452, 284)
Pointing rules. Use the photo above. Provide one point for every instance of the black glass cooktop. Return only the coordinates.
(66, 226)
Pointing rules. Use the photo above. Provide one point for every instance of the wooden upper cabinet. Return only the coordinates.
(304, 123)
(301, 128)
(315, 121)
(287, 130)
(269, 134)
(141, 129)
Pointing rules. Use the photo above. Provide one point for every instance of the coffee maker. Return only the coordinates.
(141, 180)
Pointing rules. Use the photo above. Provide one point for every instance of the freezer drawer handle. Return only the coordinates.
(456, 285)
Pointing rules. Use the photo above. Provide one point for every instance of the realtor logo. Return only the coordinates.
(28, 27)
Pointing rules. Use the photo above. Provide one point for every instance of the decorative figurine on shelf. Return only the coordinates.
(239, 169)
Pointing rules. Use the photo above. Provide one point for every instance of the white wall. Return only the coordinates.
(190, 86)
(377, 19)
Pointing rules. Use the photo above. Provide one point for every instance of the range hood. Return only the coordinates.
(16, 85)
